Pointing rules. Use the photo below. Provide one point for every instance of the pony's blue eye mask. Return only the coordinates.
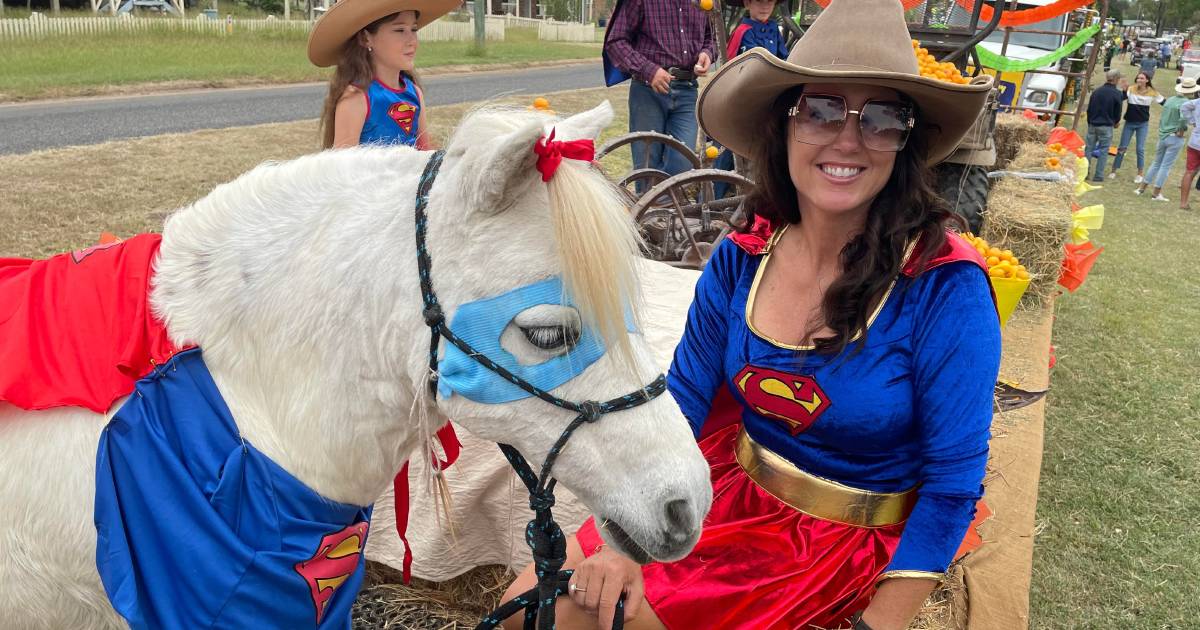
(482, 324)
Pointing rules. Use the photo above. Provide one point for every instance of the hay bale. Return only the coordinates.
(946, 606)
(386, 603)
(1033, 219)
(1014, 130)
(1031, 157)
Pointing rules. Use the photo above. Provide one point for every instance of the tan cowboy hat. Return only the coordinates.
(1187, 86)
(852, 41)
(346, 18)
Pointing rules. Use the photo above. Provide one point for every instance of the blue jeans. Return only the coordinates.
(673, 114)
(1099, 138)
(1142, 130)
(1165, 154)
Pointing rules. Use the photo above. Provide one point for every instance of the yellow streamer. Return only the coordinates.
(1084, 220)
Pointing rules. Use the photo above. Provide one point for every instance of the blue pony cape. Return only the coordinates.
(198, 529)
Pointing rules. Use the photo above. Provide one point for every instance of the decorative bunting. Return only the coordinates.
(1077, 263)
(1007, 64)
(1024, 17)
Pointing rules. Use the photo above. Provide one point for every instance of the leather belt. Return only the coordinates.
(681, 74)
(819, 497)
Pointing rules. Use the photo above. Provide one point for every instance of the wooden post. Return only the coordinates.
(287, 9)
(480, 23)
(55, 6)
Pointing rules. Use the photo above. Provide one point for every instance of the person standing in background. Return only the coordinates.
(664, 45)
(1172, 135)
(1137, 122)
(1103, 116)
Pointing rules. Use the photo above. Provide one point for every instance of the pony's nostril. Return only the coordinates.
(679, 519)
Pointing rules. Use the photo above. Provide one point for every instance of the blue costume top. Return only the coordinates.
(197, 529)
(393, 116)
(912, 407)
(751, 33)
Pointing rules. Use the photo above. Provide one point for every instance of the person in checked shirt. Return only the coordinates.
(664, 45)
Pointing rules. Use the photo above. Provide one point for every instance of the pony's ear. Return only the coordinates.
(494, 175)
(587, 124)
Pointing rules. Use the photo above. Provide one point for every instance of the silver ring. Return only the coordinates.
(574, 588)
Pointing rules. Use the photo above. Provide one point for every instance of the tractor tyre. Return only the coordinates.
(965, 188)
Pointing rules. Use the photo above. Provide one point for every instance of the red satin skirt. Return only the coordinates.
(760, 563)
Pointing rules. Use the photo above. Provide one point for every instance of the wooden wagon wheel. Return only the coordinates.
(647, 177)
(683, 231)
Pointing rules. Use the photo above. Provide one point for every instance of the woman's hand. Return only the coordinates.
(599, 582)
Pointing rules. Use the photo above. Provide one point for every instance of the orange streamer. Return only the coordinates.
(908, 4)
(1023, 17)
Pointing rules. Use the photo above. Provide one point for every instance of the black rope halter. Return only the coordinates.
(542, 534)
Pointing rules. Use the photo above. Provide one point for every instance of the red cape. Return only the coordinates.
(77, 329)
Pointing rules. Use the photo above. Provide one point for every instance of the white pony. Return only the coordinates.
(298, 281)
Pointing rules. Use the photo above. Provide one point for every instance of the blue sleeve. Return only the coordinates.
(956, 358)
(698, 367)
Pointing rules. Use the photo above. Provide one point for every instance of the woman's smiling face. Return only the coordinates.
(844, 176)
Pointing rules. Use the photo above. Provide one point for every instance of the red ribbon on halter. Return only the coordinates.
(551, 153)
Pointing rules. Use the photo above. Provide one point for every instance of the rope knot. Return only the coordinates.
(591, 410)
(551, 152)
(541, 501)
(433, 315)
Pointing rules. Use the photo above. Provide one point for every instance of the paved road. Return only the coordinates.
(49, 124)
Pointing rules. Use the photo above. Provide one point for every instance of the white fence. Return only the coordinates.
(552, 31)
(38, 27)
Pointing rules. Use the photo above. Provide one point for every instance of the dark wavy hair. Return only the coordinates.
(906, 208)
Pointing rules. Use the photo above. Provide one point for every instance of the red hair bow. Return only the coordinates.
(551, 153)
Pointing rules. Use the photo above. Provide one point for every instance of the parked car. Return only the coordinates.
(1188, 56)
(1189, 65)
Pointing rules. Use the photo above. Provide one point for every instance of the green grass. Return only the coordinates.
(1118, 495)
(67, 66)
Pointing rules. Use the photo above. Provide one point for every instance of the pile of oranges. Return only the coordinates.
(1000, 262)
(934, 70)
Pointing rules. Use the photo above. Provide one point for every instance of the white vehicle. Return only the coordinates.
(1037, 90)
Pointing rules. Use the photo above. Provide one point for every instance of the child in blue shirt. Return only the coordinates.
(757, 29)
(373, 96)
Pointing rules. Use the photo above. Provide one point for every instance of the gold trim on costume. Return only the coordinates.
(758, 274)
(819, 497)
(916, 575)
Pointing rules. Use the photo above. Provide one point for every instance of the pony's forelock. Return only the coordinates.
(598, 244)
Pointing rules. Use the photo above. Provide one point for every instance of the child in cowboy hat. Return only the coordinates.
(373, 95)
(839, 357)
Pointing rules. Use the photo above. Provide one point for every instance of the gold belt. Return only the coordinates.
(818, 497)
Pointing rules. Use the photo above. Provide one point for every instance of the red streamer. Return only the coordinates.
(908, 4)
(1077, 263)
(1023, 17)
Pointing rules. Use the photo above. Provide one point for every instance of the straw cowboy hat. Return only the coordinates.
(346, 18)
(1187, 86)
(852, 41)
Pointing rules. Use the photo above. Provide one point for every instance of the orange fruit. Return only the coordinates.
(996, 272)
(1022, 274)
(992, 261)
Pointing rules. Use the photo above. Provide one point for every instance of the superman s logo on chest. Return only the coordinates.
(793, 399)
